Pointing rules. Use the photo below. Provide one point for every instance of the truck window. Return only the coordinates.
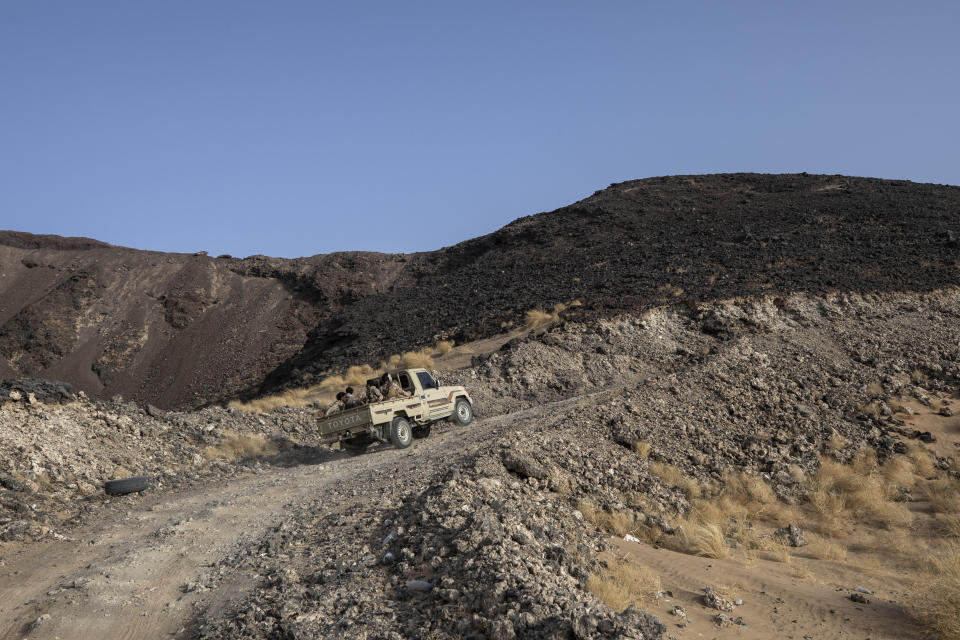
(405, 383)
(426, 381)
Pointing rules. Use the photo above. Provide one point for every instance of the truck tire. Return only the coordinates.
(126, 485)
(400, 433)
(422, 432)
(462, 412)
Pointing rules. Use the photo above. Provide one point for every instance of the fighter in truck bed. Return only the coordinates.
(398, 420)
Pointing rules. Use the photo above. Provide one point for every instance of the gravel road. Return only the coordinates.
(133, 572)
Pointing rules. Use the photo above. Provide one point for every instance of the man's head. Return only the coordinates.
(349, 391)
(340, 395)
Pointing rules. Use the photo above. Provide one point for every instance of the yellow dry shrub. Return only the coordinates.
(234, 446)
(948, 524)
(290, 398)
(923, 461)
(443, 348)
(777, 552)
(827, 513)
(835, 443)
(358, 375)
(875, 388)
(898, 474)
(825, 549)
(416, 359)
(642, 449)
(536, 318)
(707, 540)
(620, 522)
(748, 488)
(333, 382)
(623, 584)
(864, 462)
(935, 601)
(675, 477)
(796, 473)
(944, 495)
(840, 494)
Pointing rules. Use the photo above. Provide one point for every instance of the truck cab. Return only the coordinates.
(435, 402)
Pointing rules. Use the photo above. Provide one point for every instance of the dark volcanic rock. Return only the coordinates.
(48, 391)
(630, 247)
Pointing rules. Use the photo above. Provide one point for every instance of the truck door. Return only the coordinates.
(416, 404)
(438, 404)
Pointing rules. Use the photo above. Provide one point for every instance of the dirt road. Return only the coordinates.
(126, 575)
(133, 573)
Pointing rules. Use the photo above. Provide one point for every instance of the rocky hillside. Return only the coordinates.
(638, 424)
(170, 329)
(177, 329)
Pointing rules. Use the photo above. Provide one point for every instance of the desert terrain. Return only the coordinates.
(706, 407)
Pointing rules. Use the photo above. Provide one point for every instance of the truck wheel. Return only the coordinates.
(400, 433)
(422, 432)
(462, 412)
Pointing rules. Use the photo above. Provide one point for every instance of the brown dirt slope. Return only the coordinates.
(170, 329)
(178, 329)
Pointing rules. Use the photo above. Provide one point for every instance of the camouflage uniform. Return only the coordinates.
(374, 394)
(336, 407)
(394, 390)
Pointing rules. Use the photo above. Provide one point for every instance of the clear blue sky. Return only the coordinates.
(295, 128)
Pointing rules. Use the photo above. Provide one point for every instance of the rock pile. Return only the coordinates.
(56, 451)
(486, 551)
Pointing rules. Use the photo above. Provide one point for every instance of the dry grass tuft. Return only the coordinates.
(234, 446)
(416, 359)
(796, 473)
(944, 495)
(620, 522)
(289, 398)
(948, 524)
(536, 318)
(623, 584)
(825, 549)
(443, 348)
(875, 388)
(936, 597)
(861, 491)
(749, 488)
(707, 540)
(898, 474)
(675, 477)
(642, 449)
(355, 376)
(835, 444)
(777, 552)
(923, 461)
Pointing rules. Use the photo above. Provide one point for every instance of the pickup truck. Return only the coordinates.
(398, 420)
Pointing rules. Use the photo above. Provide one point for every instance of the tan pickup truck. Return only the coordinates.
(398, 420)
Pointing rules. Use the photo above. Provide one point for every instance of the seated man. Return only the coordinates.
(391, 388)
(349, 401)
(373, 393)
(337, 406)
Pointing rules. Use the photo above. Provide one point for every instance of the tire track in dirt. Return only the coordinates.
(132, 564)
